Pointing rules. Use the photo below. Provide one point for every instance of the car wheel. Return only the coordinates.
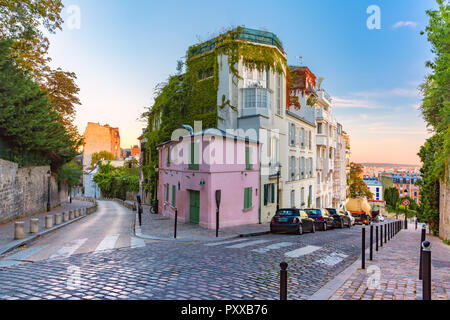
(300, 230)
(324, 226)
(313, 229)
(349, 223)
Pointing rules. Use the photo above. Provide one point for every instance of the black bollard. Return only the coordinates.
(422, 240)
(371, 242)
(389, 231)
(175, 226)
(217, 223)
(363, 247)
(416, 223)
(376, 238)
(283, 281)
(385, 233)
(426, 260)
(381, 235)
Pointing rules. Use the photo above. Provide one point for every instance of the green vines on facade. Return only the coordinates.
(193, 96)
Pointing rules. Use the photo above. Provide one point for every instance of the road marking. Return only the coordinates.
(247, 244)
(137, 242)
(302, 251)
(19, 257)
(273, 247)
(108, 243)
(332, 259)
(68, 250)
(225, 242)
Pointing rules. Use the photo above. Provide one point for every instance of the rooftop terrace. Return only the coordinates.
(244, 34)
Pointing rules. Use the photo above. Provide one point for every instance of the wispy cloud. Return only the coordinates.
(400, 24)
(396, 92)
(354, 103)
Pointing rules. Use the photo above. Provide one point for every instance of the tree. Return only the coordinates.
(70, 173)
(27, 119)
(22, 22)
(115, 182)
(435, 153)
(392, 197)
(102, 155)
(358, 188)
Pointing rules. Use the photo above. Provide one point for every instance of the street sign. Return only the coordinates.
(405, 202)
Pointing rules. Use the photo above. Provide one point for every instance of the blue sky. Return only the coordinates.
(124, 48)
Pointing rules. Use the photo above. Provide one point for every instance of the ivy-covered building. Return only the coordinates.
(239, 82)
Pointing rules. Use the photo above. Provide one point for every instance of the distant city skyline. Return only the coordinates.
(123, 49)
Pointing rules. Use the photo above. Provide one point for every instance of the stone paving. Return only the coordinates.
(7, 229)
(398, 266)
(192, 270)
(163, 227)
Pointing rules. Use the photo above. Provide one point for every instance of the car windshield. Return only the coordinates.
(287, 213)
(314, 212)
(332, 211)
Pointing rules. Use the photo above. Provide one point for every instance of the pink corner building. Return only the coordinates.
(193, 168)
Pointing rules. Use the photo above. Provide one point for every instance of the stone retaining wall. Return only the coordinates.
(24, 191)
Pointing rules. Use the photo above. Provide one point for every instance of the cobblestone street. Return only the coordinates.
(398, 263)
(245, 268)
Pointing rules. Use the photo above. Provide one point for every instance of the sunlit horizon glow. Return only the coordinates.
(123, 49)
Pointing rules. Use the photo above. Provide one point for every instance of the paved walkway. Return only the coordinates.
(395, 272)
(7, 229)
(157, 226)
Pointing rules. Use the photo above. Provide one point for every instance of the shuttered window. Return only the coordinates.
(248, 192)
(174, 196)
(248, 158)
(194, 156)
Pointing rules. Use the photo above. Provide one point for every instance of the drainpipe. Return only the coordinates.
(261, 187)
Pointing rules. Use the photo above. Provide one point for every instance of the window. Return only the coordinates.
(310, 195)
(302, 168)
(168, 156)
(319, 128)
(174, 196)
(292, 169)
(303, 137)
(248, 158)
(248, 192)
(302, 197)
(293, 199)
(257, 98)
(278, 94)
(292, 134)
(194, 156)
(309, 140)
(167, 192)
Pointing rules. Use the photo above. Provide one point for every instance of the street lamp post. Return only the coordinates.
(49, 174)
(278, 185)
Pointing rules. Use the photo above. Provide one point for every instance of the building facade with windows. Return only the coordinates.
(259, 101)
(407, 184)
(376, 187)
(195, 167)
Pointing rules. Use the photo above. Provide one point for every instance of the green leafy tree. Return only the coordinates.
(357, 186)
(102, 155)
(392, 197)
(27, 118)
(71, 173)
(115, 182)
(435, 153)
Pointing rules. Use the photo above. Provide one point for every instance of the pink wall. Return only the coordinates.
(231, 177)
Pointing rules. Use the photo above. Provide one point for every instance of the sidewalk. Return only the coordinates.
(398, 263)
(157, 227)
(7, 229)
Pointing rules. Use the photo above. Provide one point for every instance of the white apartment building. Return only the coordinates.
(299, 191)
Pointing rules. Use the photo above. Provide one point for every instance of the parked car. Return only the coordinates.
(322, 218)
(340, 219)
(292, 220)
(348, 214)
(380, 218)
